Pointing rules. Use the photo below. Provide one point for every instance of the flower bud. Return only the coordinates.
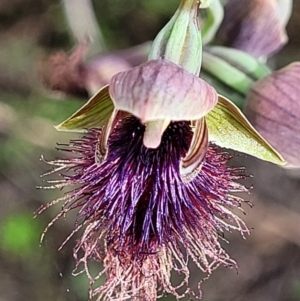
(255, 26)
(180, 40)
(272, 106)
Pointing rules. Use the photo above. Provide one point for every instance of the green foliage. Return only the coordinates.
(20, 234)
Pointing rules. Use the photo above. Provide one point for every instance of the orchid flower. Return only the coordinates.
(150, 177)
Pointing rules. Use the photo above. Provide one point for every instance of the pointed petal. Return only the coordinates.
(160, 89)
(273, 107)
(93, 114)
(191, 164)
(229, 128)
(253, 26)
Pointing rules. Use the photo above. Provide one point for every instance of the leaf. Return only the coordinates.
(93, 114)
(229, 128)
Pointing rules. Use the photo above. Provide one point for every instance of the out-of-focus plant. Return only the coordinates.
(255, 26)
(149, 179)
(251, 32)
(19, 232)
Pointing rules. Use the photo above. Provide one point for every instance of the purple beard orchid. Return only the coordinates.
(153, 192)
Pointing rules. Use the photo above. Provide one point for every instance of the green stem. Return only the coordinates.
(83, 24)
(226, 73)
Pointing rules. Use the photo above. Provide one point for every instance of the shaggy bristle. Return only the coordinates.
(142, 220)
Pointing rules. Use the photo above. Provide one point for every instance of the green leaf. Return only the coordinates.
(93, 114)
(229, 128)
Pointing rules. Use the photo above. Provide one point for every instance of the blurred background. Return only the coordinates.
(32, 30)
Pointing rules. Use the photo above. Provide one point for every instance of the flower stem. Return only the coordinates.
(83, 24)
